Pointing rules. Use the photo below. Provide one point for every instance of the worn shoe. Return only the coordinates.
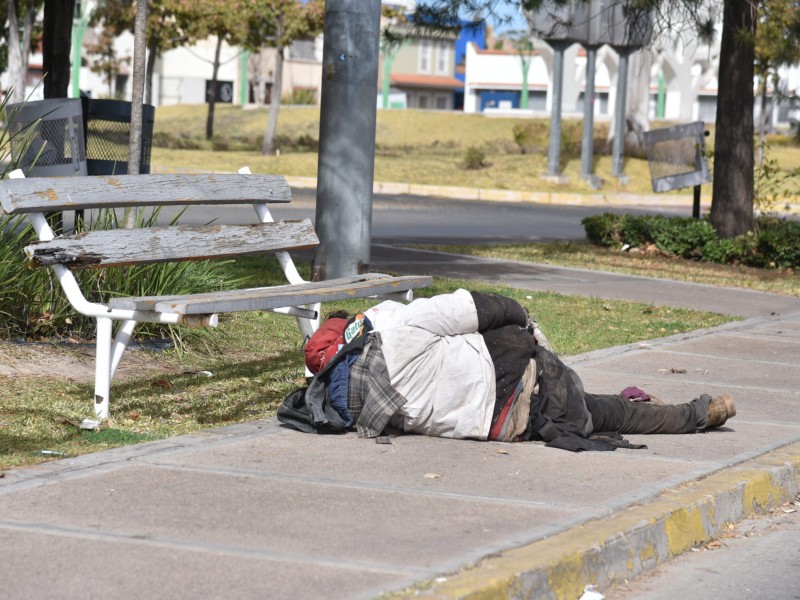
(720, 409)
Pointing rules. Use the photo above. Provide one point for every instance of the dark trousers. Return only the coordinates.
(615, 413)
(501, 322)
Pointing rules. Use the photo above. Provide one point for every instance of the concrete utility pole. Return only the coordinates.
(618, 143)
(347, 137)
(554, 151)
(587, 145)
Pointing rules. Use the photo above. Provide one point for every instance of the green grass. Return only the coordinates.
(583, 255)
(422, 147)
(255, 360)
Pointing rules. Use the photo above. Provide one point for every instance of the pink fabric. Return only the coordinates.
(634, 394)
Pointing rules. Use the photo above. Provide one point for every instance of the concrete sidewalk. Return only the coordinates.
(260, 511)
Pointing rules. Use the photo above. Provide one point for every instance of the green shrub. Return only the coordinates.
(775, 243)
(571, 139)
(682, 237)
(475, 158)
(779, 242)
(301, 143)
(300, 96)
(166, 139)
(603, 230)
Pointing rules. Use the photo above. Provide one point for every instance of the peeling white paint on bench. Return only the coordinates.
(77, 193)
(119, 247)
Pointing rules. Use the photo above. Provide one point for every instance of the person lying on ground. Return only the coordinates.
(470, 365)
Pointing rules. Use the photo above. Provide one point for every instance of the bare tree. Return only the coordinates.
(135, 144)
(139, 51)
(19, 49)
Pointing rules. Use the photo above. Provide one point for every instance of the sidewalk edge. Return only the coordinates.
(635, 540)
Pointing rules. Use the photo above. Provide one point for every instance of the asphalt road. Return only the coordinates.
(758, 558)
(404, 218)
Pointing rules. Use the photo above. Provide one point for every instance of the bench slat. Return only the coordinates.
(275, 297)
(118, 247)
(38, 194)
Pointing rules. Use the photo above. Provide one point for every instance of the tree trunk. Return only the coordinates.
(56, 46)
(16, 56)
(152, 56)
(27, 32)
(732, 203)
(137, 92)
(274, 104)
(213, 94)
(762, 123)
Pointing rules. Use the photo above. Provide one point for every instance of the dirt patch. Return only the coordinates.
(73, 362)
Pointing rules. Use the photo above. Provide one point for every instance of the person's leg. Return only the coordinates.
(496, 311)
(614, 413)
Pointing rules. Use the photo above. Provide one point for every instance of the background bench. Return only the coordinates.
(35, 197)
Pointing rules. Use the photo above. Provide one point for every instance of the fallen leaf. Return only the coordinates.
(789, 510)
(162, 383)
(501, 451)
(432, 476)
(714, 544)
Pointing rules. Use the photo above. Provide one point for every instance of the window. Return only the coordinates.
(423, 101)
(443, 58)
(425, 52)
(441, 102)
(302, 49)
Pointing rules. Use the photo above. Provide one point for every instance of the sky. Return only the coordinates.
(517, 22)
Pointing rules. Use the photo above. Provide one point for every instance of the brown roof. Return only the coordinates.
(427, 81)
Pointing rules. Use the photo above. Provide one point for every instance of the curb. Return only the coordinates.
(550, 198)
(497, 195)
(635, 540)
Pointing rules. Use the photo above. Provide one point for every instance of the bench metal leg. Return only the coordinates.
(121, 341)
(102, 378)
(307, 329)
(309, 326)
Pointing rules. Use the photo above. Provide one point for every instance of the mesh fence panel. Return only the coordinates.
(107, 140)
(672, 157)
(676, 156)
(47, 137)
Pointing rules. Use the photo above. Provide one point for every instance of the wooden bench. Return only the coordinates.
(35, 197)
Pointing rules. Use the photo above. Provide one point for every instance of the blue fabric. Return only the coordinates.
(338, 387)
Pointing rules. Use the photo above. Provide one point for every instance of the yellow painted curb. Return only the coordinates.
(637, 539)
